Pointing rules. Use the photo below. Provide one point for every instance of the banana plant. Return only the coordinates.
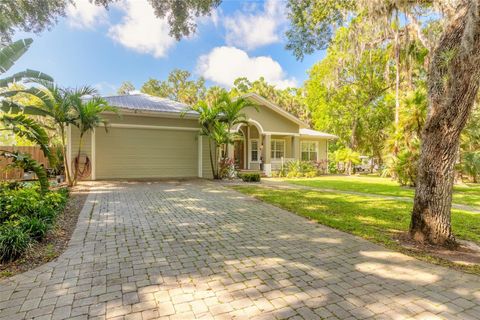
(17, 122)
(24, 161)
(9, 54)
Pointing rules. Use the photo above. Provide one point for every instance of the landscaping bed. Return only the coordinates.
(35, 228)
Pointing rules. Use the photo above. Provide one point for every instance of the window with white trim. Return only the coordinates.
(309, 150)
(278, 149)
(253, 150)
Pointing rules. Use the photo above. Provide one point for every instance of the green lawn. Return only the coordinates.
(468, 195)
(371, 218)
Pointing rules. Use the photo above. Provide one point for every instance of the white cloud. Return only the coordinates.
(140, 30)
(106, 88)
(254, 28)
(225, 64)
(85, 15)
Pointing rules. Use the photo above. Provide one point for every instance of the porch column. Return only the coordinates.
(296, 147)
(231, 151)
(267, 165)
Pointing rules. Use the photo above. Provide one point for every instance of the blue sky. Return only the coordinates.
(103, 48)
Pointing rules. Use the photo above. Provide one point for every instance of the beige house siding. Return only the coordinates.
(322, 147)
(271, 121)
(146, 153)
(86, 146)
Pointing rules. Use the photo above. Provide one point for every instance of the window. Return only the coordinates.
(309, 151)
(278, 149)
(254, 150)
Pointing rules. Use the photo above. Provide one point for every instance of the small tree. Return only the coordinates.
(347, 156)
(231, 113)
(208, 120)
(216, 120)
(57, 104)
(88, 117)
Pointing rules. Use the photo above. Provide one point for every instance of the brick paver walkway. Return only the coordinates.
(196, 250)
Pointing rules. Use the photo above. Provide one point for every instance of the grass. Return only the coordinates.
(467, 194)
(374, 219)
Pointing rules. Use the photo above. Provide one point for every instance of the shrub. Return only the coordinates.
(13, 242)
(35, 227)
(250, 177)
(26, 214)
(300, 169)
(29, 202)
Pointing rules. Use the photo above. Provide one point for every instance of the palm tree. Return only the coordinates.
(57, 104)
(231, 112)
(209, 127)
(88, 117)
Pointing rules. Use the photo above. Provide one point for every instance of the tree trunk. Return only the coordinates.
(397, 81)
(453, 80)
(211, 159)
(65, 158)
(77, 164)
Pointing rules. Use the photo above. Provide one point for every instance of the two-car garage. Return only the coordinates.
(149, 138)
(148, 152)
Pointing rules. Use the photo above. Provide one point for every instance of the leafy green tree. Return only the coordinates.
(177, 87)
(470, 146)
(347, 94)
(453, 82)
(213, 93)
(289, 99)
(348, 157)
(126, 87)
(38, 15)
(471, 164)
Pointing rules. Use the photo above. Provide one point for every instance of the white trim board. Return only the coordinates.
(69, 149)
(141, 126)
(282, 133)
(93, 175)
(200, 157)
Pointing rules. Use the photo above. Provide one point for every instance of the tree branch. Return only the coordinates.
(418, 30)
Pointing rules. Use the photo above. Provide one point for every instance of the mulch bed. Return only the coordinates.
(56, 241)
(466, 256)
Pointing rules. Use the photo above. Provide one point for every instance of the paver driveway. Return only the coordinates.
(194, 249)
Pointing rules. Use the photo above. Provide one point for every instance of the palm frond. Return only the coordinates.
(44, 96)
(26, 75)
(24, 161)
(12, 52)
(29, 129)
(13, 107)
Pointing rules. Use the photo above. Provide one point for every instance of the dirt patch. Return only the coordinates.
(467, 253)
(56, 241)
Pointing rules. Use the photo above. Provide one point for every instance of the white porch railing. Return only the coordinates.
(278, 163)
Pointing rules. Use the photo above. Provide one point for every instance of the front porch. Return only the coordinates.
(257, 150)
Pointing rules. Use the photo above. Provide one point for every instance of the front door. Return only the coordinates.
(238, 154)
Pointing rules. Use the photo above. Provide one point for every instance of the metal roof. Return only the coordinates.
(141, 101)
(315, 133)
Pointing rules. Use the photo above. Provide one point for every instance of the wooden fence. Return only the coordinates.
(8, 173)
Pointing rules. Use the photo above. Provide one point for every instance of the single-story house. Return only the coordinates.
(154, 138)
